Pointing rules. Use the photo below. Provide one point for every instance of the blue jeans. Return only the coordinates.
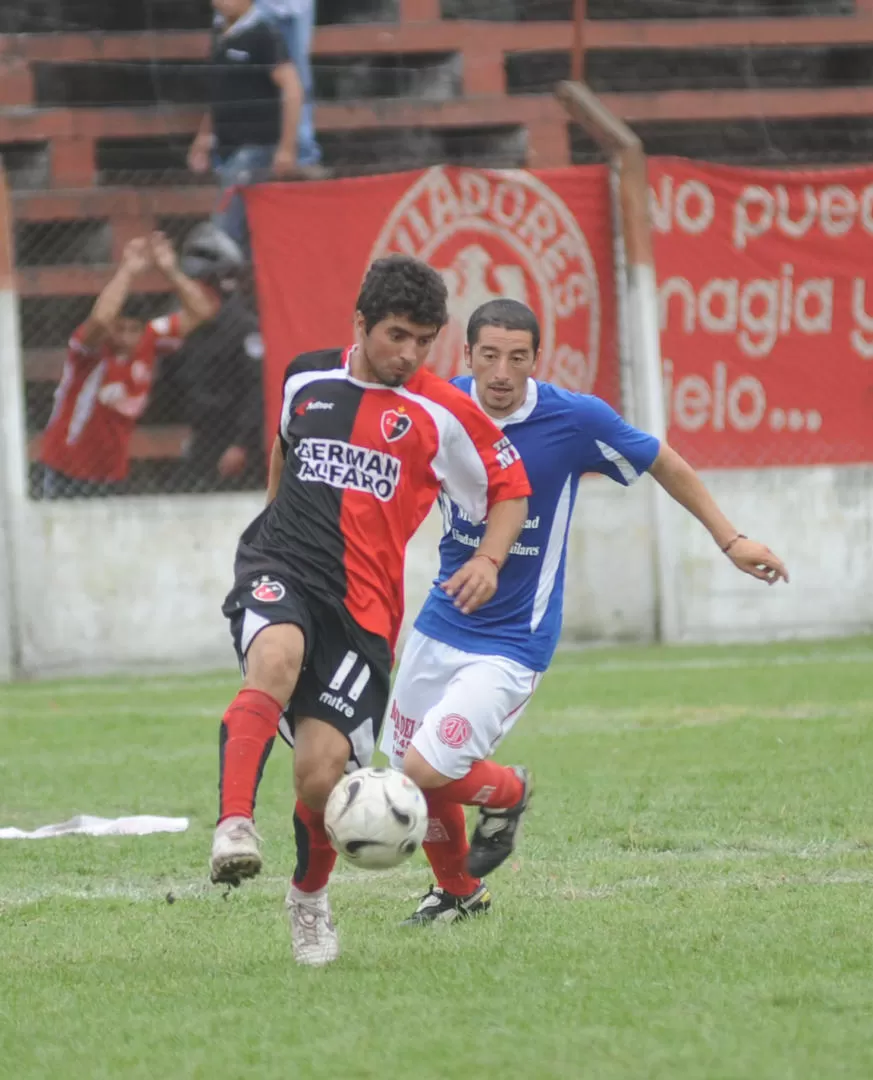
(297, 32)
(57, 486)
(245, 165)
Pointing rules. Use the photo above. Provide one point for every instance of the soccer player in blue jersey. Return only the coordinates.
(465, 678)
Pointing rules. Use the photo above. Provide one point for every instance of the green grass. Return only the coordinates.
(692, 899)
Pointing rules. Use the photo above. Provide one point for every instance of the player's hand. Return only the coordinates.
(200, 154)
(232, 461)
(137, 255)
(162, 252)
(284, 163)
(473, 585)
(758, 560)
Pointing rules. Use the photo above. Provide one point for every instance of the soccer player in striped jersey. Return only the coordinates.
(367, 439)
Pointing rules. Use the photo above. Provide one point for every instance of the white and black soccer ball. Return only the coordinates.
(376, 818)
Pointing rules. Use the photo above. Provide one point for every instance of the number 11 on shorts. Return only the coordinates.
(344, 671)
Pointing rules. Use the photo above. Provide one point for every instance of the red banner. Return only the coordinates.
(766, 315)
(543, 238)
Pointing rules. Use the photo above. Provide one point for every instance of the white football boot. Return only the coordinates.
(314, 940)
(235, 851)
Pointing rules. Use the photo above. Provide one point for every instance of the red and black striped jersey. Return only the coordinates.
(364, 463)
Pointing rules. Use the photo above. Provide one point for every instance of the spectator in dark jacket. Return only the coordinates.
(221, 374)
(251, 127)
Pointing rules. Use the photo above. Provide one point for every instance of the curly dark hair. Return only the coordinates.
(402, 286)
(508, 315)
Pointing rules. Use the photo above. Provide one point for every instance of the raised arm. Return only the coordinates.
(107, 307)
(198, 303)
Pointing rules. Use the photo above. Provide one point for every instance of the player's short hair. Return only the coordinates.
(508, 315)
(402, 286)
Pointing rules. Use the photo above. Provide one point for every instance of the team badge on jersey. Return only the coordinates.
(268, 591)
(454, 731)
(395, 424)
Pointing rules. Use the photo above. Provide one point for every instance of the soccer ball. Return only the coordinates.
(376, 818)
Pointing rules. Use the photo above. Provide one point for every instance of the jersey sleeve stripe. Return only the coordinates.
(457, 465)
(552, 558)
(628, 472)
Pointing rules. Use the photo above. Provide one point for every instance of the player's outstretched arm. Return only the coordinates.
(476, 581)
(682, 483)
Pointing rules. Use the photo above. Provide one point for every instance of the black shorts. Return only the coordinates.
(346, 673)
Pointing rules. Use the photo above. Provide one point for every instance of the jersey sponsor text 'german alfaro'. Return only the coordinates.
(363, 465)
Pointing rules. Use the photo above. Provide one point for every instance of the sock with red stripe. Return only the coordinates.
(446, 844)
(315, 856)
(486, 784)
(246, 738)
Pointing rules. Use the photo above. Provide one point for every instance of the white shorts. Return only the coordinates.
(454, 707)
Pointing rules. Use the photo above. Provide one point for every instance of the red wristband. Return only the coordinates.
(490, 558)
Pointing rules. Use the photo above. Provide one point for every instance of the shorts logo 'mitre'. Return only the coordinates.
(343, 465)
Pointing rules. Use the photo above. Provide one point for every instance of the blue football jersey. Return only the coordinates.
(560, 435)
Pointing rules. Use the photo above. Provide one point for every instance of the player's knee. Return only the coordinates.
(274, 660)
(315, 782)
(421, 772)
(321, 754)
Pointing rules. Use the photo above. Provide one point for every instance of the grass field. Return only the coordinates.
(692, 899)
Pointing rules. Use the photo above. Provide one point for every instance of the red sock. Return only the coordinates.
(446, 844)
(486, 784)
(315, 856)
(246, 738)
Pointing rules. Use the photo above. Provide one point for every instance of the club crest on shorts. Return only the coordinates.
(268, 591)
(395, 424)
(454, 731)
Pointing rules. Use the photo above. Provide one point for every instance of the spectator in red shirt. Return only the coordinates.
(108, 373)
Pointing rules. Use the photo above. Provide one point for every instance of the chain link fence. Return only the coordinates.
(199, 431)
(201, 428)
(202, 399)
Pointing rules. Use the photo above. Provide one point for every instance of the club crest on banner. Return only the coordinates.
(503, 234)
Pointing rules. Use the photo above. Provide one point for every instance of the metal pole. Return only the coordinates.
(13, 462)
(577, 68)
